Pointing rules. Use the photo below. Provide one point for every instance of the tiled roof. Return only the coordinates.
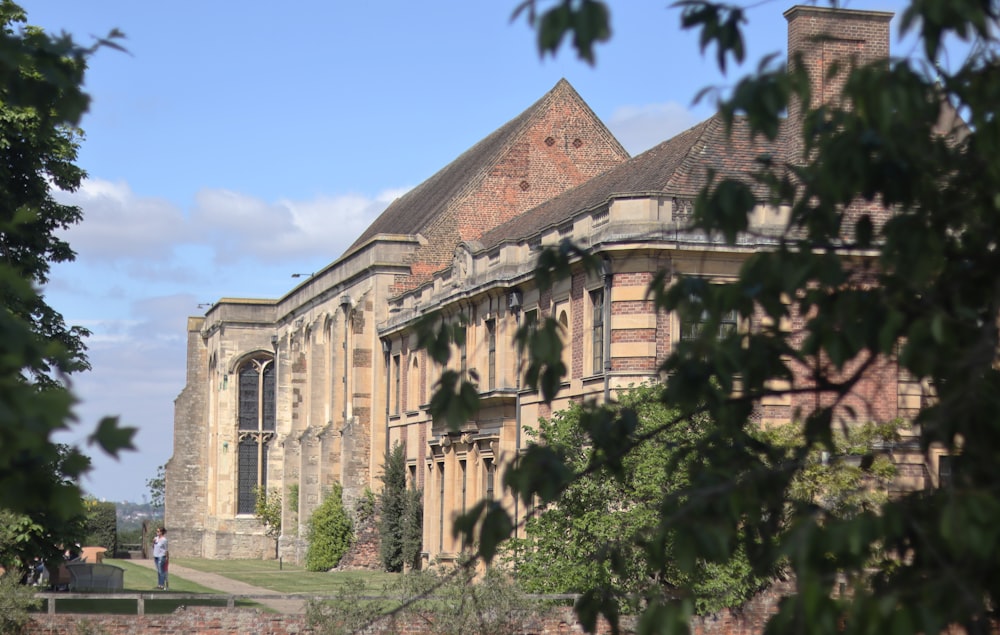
(677, 167)
(415, 210)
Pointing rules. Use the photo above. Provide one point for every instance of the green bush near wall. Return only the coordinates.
(330, 532)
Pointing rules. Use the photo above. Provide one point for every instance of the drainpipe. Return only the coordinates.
(606, 271)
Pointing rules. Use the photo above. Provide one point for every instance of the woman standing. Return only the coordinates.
(160, 556)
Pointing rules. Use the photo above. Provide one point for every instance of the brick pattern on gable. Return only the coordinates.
(563, 147)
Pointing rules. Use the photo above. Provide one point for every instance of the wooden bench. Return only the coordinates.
(94, 576)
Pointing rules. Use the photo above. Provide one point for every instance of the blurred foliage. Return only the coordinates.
(451, 599)
(41, 533)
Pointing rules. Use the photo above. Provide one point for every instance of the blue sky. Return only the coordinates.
(238, 143)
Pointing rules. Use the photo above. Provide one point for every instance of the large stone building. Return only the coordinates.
(313, 388)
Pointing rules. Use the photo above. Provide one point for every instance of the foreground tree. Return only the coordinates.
(39, 533)
(889, 255)
(41, 102)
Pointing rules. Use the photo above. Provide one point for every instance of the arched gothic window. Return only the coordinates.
(256, 419)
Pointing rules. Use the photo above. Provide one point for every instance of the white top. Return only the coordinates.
(160, 547)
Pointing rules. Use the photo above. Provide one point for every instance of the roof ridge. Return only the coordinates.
(491, 147)
(687, 162)
(523, 121)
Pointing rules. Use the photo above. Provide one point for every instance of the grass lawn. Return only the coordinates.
(139, 579)
(288, 578)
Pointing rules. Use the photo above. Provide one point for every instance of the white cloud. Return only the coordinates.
(155, 236)
(118, 224)
(639, 128)
(240, 227)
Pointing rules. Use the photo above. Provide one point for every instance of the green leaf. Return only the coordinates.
(111, 437)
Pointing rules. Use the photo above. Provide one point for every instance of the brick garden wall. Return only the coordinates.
(749, 620)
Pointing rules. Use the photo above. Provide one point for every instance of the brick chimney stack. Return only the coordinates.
(822, 36)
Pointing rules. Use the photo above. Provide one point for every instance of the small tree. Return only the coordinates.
(330, 532)
(157, 486)
(267, 509)
(400, 524)
(392, 503)
(413, 527)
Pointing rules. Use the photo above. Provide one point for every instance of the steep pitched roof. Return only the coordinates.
(415, 210)
(678, 167)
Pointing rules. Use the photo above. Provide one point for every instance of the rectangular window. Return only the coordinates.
(246, 496)
(441, 507)
(491, 335)
(947, 468)
(691, 329)
(531, 317)
(246, 503)
(597, 330)
(268, 398)
(249, 385)
(396, 370)
(461, 466)
(488, 468)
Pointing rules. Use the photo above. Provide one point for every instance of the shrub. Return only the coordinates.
(16, 600)
(329, 532)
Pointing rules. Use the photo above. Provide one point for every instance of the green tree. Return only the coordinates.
(41, 102)
(267, 509)
(101, 525)
(888, 253)
(330, 532)
(400, 514)
(595, 532)
(413, 528)
(157, 486)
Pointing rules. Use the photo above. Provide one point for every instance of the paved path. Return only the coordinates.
(230, 586)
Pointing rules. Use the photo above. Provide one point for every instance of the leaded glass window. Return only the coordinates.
(256, 416)
(248, 475)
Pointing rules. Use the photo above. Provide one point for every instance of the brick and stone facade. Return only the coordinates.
(349, 381)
